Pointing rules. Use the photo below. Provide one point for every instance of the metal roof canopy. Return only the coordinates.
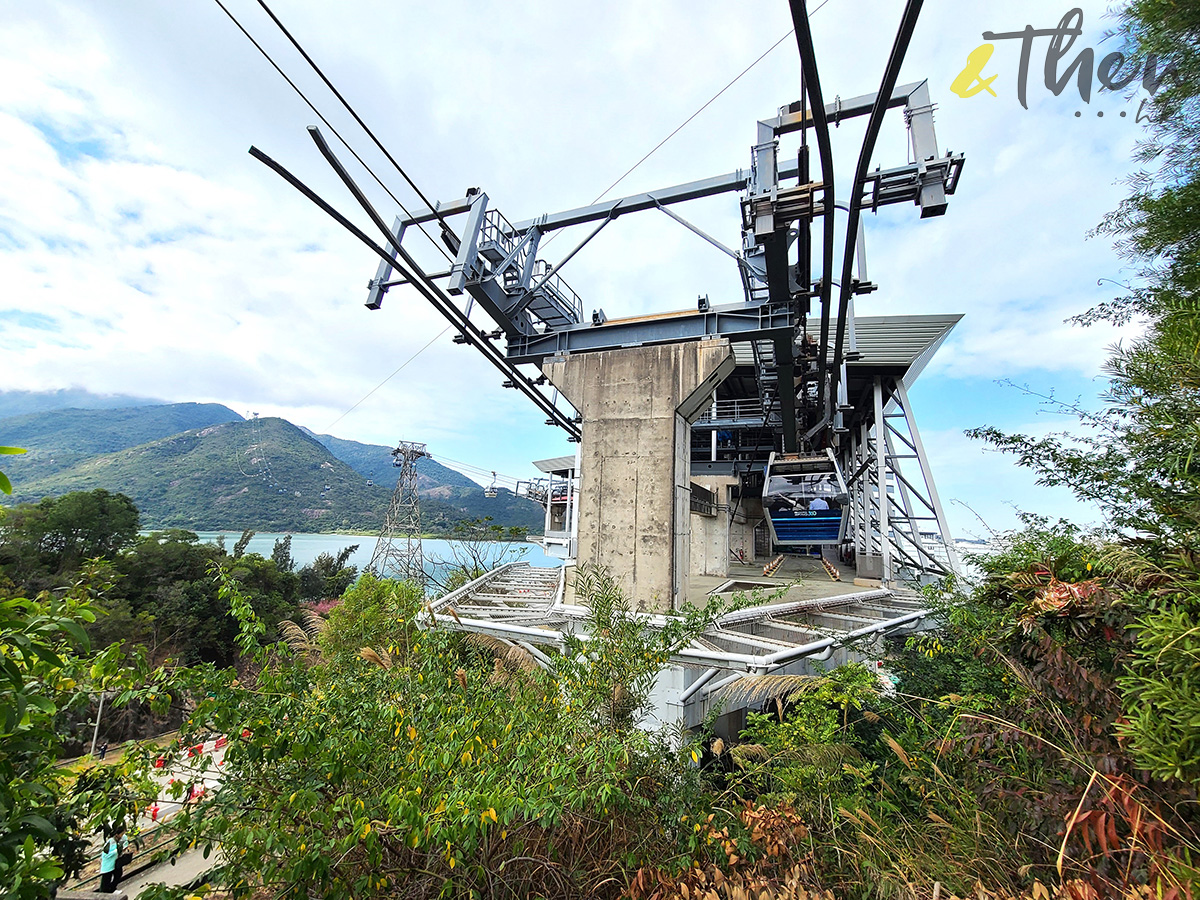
(556, 465)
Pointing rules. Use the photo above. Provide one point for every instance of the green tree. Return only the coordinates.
(415, 759)
(42, 544)
(1139, 457)
(327, 576)
(46, 669)
(281, 554)
(167, 592)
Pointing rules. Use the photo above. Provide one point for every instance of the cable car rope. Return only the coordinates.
(267, 56)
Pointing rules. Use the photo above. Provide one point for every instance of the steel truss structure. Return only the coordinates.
(905, 531)
(398, 552)
(810, 375)
(524, 607)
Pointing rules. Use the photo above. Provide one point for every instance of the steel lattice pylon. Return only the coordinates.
(398, 551)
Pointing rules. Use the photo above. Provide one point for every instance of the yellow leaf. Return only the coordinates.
(452, 862)
(412, 733)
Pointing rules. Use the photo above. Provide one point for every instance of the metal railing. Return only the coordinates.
(733, 410)
(557, 289)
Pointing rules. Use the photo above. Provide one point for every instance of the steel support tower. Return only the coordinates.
(398, 551)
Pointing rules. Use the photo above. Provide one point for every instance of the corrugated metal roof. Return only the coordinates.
(555, 464)
(902, 341)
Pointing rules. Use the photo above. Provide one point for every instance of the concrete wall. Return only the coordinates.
(741, 529)
(635, 495)
(710, 534)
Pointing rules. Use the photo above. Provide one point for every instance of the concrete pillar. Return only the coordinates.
(637, 406)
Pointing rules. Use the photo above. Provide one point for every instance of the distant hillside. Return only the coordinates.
(374, 461)
(19, 403)
(264, 474)
(435, 481)
(59, 439)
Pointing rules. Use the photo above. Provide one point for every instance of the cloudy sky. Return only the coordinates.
(143, 251)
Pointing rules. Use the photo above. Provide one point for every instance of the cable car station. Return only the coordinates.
(741, 443)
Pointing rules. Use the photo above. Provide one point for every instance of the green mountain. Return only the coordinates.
(437, 482)
(56, 440)
(229, 473)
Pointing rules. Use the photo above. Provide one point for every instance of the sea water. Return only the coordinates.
(307, 547)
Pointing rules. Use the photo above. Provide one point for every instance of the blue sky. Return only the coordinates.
(142, 251)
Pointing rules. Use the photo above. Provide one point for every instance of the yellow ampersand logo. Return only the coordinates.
(970, 80)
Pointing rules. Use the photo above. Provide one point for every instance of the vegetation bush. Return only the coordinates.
(47, 670)
(373, 756)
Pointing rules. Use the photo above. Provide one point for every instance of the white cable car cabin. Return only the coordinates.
(804, 498)
(490, 490)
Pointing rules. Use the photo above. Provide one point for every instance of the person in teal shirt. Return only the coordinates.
(108, 865)
(110, 870)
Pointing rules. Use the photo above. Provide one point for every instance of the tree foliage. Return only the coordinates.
(42, 544)
(1138, 458)
(47, 668)
(407, 759)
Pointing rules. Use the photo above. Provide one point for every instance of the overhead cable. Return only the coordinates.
(812, 87)
(389, 378)
(267, 56)
(908, 23)
(357, 118)
(403, 262)
(705, 106)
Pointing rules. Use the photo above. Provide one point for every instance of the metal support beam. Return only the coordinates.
(840, 110)
(692, 190)
(468, 247)
(736, 321)
(885, 544)
(379, 284)
(923, 460)
(787, 391)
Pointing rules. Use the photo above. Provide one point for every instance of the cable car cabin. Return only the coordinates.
(804, 498)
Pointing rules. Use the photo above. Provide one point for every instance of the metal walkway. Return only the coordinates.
(523, 605)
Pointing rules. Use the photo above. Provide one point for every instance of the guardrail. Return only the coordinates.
(732, 410)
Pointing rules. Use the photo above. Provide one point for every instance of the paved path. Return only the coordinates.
(186, 868)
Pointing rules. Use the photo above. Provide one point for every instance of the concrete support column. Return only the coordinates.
(637, 406)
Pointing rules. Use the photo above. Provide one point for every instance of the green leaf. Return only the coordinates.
(11, 451)
(75, 630)
(39, 826)
(48, 655)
